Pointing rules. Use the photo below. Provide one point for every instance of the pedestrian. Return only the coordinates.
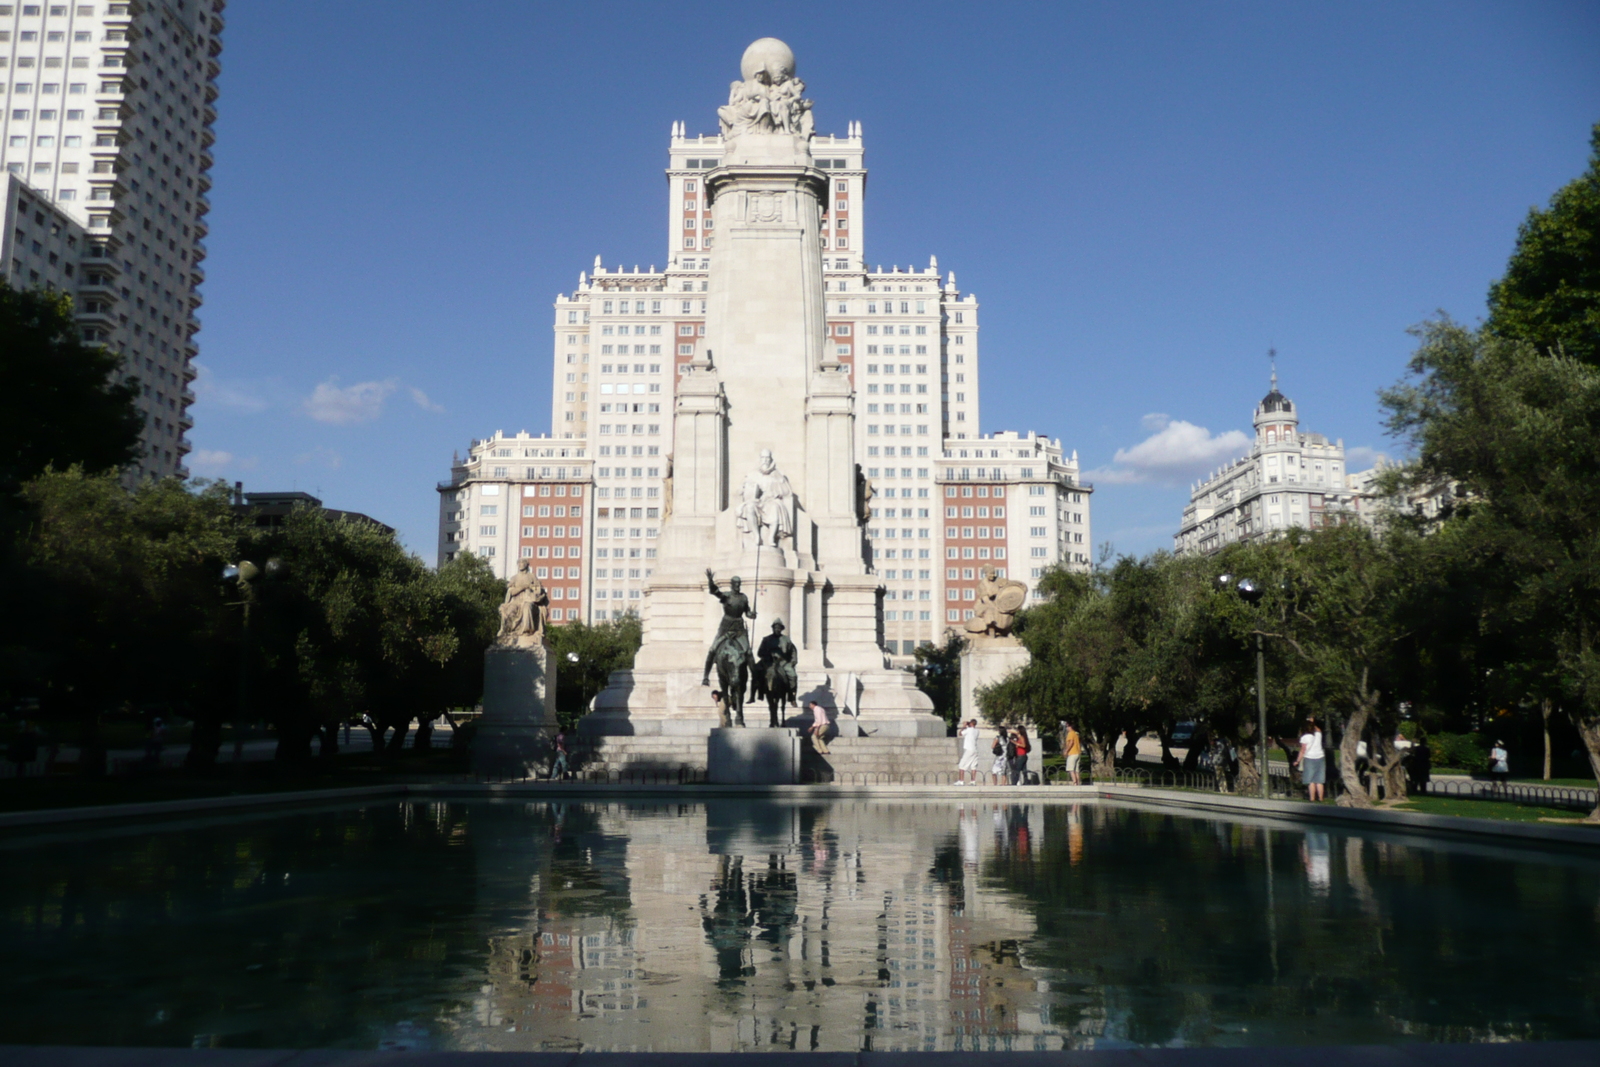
(968, 766)
(722, 709)
(1312, 761)
(1499, 764)
(1019, 755)
(1419, 765)
(558, 767)
(819, 728)
(998, 771)
(1071, 751)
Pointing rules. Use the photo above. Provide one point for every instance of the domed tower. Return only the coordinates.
(1276, 419)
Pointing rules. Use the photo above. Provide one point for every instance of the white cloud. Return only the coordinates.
(209, 461)
(423, 402)
(325, 457)
(1362, 458)
(210, 390)
(1175, 453)
(347, 405)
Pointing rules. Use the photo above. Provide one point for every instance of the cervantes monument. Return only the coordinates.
(765, 484)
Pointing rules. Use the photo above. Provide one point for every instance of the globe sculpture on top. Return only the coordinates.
(769, 98)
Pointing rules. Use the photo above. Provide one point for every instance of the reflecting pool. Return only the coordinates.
(744, 925)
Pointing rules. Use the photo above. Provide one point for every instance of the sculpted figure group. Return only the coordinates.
(769, 99)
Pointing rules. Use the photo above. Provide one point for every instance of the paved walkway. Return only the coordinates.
(1549, 1054)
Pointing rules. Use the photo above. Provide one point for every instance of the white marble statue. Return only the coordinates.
(766, 508)
(769, 99)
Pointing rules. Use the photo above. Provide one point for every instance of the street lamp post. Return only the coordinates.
(1250, 593)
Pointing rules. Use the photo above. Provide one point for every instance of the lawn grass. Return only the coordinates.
(1487, 809)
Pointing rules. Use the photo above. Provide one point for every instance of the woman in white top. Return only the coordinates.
(1312, 761)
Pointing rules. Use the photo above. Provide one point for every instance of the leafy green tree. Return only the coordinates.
(62, 404)
(1076, 647)
(938, 674)
(1517, 429)
(585, 657)
(123, 605)
(1550, 295)
(357, 625)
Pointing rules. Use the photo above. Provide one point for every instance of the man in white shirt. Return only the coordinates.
(969, 753)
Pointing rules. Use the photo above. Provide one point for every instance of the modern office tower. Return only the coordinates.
(625, 337)
(105, 136)
(1288, 479)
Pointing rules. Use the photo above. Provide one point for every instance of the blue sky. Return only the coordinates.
(1144, 197)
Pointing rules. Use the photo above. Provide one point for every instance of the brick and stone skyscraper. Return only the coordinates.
(105, 138)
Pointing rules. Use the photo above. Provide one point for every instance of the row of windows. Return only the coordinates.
(60, 10)
(888, 450)
(981, 553)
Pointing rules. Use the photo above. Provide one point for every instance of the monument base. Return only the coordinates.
(515, 735)
(737, 756)
(985, 661)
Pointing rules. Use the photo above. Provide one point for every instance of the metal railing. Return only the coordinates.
(1571, 798)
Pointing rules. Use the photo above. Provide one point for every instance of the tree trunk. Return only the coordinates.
(397, 741)
(1363, 701)
(1544, 711)
(1248, 781)
(1102, 761)
(1589, 729)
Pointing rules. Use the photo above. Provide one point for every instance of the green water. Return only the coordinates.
(743, 925)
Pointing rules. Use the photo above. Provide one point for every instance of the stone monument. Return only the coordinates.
(993, 653)
(765, 484)
(519, 686)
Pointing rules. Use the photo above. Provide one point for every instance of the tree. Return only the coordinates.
(1518, 430)
(61, 406)
(1550, 295)
(357, 625)
(938, 674)
(585, 656)
(1076, 647)
(124, 604)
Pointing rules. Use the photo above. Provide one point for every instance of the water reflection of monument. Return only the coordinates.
(740, 927)
(765, 481)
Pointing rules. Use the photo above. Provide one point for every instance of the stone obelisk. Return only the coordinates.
(765, 482)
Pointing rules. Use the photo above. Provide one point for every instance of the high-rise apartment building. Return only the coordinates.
(105, 138)
(623, 338)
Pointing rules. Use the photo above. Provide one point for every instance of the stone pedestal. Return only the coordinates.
(737, 756)
(985, 661)
(515, 735)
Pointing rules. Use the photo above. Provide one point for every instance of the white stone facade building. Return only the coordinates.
(625, 340)
(105, 138)
(1289, 479)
